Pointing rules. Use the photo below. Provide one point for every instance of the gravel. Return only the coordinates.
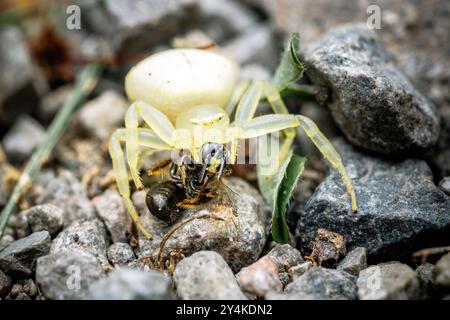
(388, 281)
(399, 206)
(374, 104)
(19, 258)
(130, 284)
(200, 276)
(67, 275)
(323, 284)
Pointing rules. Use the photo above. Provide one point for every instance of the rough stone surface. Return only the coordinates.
(5, 282)
(66, 191)
(67, 275)
(399, 206)
(323, 284)
(53, 100)
(260, 277)
(111, 210)
(131, 284)
(444, 184)
(286, 256)
(20, 141)
(45, 217)
(132, 33)
(88, 236)
(442, 271)
(426, 279)
(299, 270)
(5, 241)
(373, 103)
(388, 281)
(199, 276)
(120, 254)
(354, 261)
(19, 258)
(24, 289)
(21, 82)
(222, 19)
(102, 115)
(256, 45)
(416, 32)
(240, 246)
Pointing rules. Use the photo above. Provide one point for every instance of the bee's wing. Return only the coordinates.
(225, 196)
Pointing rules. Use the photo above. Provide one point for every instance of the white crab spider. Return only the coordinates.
(180, 91)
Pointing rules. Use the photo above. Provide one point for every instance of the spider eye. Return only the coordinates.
(213, 152)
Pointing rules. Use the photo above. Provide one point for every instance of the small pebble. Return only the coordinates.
(45, 217)
(120, 254)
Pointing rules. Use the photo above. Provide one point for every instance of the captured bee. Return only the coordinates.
(191, 184)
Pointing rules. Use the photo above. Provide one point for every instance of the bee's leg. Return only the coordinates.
(162, 130)
(159, 167)
(121, 174)
(276, 122)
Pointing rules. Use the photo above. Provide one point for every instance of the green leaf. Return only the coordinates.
(290, 68)
(277, 189)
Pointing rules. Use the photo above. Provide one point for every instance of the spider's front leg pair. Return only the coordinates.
(250, 127)
(158, 137)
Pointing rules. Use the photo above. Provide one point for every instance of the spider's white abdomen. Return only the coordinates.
(174, 81)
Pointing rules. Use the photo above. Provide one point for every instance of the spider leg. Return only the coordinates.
(271, 123)
(278, 107)
(160, 137)
(121, 173)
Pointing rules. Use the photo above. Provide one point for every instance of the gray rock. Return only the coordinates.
(131, 284)
(67, 275)
(5, 241)
(153, 21)
(354, 261)
(444, 184)
(21, 82)
(323, 284)
(102, 115)
(120, 254)
(45, 217)
(240, 245)
(222, 19)
(373, 103)
(53, 100)
(20, 141)
(286, 256)
(414, 31)
(5, 282)
(88, 236)
(206, 276)
(19, 258)
(66, 191)
(111, 210)
(254, 71)
(21, 225)
(297, 271)
(442, 271)
(260, 277)
(24, 289)
(388, 281)
(398, 205)
(439, 157)
(256, 45)
(426, 279)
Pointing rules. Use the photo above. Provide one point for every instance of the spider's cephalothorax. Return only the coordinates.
(186, 98)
